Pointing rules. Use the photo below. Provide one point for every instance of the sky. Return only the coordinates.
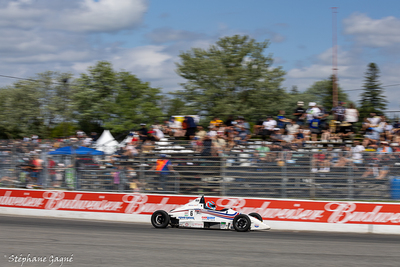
(145, 37)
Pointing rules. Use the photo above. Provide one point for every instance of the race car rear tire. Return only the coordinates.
(160, 219)
(241, 223)
(256, 215)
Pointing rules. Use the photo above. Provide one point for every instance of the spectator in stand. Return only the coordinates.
(326, 135)
(175, 127)
(312, 111)
(219, 144)
(243, 129)
(371, 137)
(269, 126)
(257, 128)
(292, 128)
(299, 138)
(191, 127)
(201, 133)
(94, 136)
(142, 132)
(282, 121)
(373, 120)
(229, 121)
(80, 134)
(208, 147)
(396, 127)
(346, 130)
(263, 152)
(163, 167)
(242, 121)
(131, 150)
(351, 114)
(158, 134)
(385, 129)
(320, 160)
(323, 117)
(212, 133)
(357, 150)
(37, 168)
(277, 136)
(315, 127)
(339, 112)
(300, 113)
(216, 122)
(380, 165)
(51, 165)
(242, 134)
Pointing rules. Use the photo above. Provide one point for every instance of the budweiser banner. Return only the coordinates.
(270, 209)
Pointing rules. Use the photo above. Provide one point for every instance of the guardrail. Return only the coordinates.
(246, 173)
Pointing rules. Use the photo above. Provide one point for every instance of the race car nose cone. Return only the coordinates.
(260, 226)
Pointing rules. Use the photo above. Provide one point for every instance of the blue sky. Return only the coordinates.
(146, 36)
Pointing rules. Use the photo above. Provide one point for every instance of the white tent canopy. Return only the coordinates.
(106, 143)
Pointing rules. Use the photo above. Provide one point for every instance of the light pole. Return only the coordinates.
(334, 58)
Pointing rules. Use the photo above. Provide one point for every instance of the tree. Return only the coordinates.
(231, 77)
(321, 93)
(118, 101)
(32, 106)
(372, 99)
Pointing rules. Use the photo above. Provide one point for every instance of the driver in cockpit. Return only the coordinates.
(210, 205)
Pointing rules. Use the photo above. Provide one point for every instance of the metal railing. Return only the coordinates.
(241, 172)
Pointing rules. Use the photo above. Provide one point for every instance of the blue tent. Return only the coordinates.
(68, 150)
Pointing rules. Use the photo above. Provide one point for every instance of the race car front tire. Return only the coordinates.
(160, 219)
(256, 215)
(241, 223)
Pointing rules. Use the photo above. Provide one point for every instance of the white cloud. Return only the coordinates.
(373, 32)
(74, 15)
(102, 16)
(150, 61)
(322, 66)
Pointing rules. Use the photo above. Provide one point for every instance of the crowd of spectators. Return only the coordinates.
(304, 127)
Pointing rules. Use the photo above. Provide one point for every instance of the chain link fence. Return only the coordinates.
(247, 171)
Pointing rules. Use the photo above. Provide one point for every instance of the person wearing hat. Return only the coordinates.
(312, 111)
(164, 168)
(299, 113)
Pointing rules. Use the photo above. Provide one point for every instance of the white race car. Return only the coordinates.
(195, 215)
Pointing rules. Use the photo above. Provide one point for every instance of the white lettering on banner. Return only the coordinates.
(137, 204)
(271, 213)
(344, 212)
(56, 201)
(31, 202)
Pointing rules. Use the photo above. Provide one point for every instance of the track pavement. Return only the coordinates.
(95, 243)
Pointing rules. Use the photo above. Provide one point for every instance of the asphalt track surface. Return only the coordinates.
(95, 243)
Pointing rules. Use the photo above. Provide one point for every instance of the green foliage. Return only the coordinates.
(32, 106)
(54, 105)
(114, 100)
(231, 77)
(372, 99)
(321, 93)
(63, 129)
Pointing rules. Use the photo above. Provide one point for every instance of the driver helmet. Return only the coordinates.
(210, 205)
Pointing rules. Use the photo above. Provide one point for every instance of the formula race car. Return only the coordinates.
(196, 214)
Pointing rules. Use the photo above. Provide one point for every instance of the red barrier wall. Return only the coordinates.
(337, 212)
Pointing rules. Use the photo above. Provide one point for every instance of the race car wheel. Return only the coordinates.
(256, 215)
(160, 219)
(241, 223)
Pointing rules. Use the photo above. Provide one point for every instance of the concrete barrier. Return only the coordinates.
(282, 214)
